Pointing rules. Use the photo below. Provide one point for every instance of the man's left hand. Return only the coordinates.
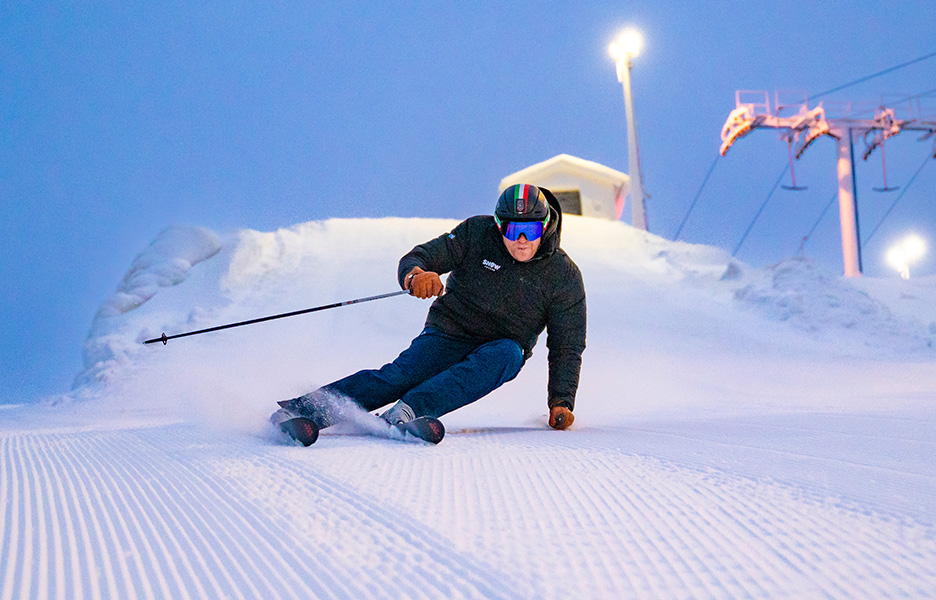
(560, 417)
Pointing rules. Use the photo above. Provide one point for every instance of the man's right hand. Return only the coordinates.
(560, 417)
(423, 284)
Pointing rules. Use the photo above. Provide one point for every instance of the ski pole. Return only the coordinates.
(165, 338)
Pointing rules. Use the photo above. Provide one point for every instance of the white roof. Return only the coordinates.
(568, 164)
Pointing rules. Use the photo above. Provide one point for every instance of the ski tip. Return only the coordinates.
(438, 430)
(301, 429)
(428, 429)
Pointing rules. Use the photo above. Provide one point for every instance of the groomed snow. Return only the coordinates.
(740, 433)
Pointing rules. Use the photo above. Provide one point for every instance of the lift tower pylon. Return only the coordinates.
(753, 111)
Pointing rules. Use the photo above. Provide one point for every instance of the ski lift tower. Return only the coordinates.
(753, 111)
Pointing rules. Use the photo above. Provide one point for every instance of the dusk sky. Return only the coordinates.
(118, 120)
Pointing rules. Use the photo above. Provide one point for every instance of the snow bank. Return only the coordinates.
(164, 263)
(795, 291)
(647, 297)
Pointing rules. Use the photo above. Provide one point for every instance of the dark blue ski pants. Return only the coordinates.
(437, 374)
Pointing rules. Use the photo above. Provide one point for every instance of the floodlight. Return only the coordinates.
(896, 258)
(914, 247)
(909, 249)
(627, 45)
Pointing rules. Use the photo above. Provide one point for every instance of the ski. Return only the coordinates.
(427, 429)
(303, 430)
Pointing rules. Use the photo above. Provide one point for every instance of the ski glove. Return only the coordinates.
(560, 417)
(423, 284)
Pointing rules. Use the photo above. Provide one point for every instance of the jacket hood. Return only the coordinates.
(551, 237)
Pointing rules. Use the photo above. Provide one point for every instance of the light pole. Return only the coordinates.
(623, 50)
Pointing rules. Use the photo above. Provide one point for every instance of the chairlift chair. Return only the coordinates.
(793, 187)
(886, 188)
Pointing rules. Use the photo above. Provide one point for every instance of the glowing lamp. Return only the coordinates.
(910, 249)
(627, 45)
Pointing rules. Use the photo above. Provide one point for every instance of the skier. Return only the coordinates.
(508, 281)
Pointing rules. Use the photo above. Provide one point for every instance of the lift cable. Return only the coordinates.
(761, 209)
(896, 200)
(821, 217)
(696, 199)
(920, 95)
(878, 74)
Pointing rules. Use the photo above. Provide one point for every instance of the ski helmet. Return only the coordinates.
(522, 202)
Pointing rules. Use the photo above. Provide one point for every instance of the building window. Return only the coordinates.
(570, 201)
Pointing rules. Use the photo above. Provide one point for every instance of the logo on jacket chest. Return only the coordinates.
(489, 265)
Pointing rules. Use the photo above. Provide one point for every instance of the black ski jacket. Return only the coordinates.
(490, 296)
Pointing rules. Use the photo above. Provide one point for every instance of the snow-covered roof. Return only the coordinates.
(572, 165)
(584, 187)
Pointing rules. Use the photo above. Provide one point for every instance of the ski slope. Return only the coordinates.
(740, 433)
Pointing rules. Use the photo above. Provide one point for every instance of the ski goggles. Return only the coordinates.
(512, 230)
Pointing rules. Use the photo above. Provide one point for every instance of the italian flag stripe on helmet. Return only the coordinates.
(522, 193)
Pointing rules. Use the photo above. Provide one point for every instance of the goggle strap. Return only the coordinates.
(500, 224)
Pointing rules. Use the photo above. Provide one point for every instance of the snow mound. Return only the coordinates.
(661, 296)
(797, 292)
(166, 262)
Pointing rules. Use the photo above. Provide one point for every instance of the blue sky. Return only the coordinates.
(119, 120)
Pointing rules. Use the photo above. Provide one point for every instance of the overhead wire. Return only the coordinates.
(696, 198)
(761, 209)
(920, 95)
(821, 216)
(896, 200)
(872, 76)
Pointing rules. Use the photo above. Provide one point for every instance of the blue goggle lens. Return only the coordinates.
(512, 230)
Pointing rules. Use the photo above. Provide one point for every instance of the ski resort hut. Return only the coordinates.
(583, 187)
